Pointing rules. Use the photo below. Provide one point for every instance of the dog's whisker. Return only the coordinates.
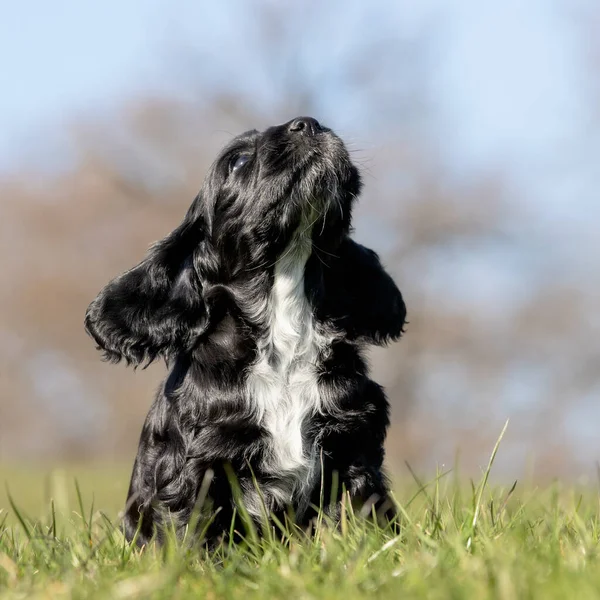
(324, 221)
(325, 251)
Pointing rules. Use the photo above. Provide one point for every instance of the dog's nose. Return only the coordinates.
(305, 125)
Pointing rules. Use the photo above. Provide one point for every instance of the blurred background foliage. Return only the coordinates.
(478, 134)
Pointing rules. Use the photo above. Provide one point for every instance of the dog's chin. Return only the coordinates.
(320, 198)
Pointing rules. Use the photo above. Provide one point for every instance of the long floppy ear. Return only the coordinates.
(157, 308)
(359, 296)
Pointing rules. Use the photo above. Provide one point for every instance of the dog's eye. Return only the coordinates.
(239, 162)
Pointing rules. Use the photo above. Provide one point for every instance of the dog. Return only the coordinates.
(261, 305)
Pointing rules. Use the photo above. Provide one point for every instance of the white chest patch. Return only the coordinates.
(283, 382)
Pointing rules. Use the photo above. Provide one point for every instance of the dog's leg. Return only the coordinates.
(368, 490)
(138, 520)
(162, 491)
(352, 441)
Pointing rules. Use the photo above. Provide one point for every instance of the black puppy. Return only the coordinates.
(261, 305)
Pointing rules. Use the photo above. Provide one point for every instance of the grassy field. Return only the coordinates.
(456, 541)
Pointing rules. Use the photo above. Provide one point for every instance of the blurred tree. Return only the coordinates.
(492, 333)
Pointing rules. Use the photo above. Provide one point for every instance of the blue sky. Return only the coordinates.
(64, 56)
(509, 81)
(508, 75)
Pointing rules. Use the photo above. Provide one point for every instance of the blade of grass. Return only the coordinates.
(17, 512)
(483, 485)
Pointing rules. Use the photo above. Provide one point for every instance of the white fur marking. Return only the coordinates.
(283, 383)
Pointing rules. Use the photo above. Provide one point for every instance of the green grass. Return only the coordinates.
(456, 541)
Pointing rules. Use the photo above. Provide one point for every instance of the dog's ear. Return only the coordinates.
(359, 296)
(157, 308)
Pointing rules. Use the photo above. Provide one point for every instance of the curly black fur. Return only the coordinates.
(260, 303)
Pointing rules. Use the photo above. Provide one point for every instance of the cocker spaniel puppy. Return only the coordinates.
(261, 304)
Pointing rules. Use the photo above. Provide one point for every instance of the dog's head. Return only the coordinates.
(292, 184)
(265, 187)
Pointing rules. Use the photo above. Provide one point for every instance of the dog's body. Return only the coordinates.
(261, 304)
